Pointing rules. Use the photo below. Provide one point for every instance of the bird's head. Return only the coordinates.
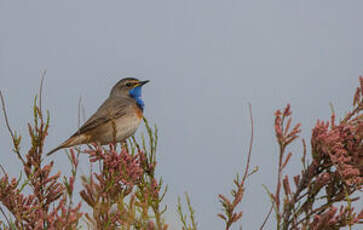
(129, 87)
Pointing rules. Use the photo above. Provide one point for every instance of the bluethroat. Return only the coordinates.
(115, 120)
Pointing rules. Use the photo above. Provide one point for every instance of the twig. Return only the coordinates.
(42, 73)
(79, 111)
(5, 115)
(3, 169)
(4, 214)
(8, 126)
(229, 206)
(267, 217)
(82, 118)
(83, 112)
(40, 109)
(191, 212)
(251, 145)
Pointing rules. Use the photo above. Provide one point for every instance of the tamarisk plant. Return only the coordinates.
(39, 200)
(125, 193)
(331, 179)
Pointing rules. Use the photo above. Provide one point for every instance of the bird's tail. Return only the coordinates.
(74, 140)
(55, 150)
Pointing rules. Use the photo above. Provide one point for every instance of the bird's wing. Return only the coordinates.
(112, 108)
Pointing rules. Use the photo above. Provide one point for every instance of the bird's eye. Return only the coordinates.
(128, 84)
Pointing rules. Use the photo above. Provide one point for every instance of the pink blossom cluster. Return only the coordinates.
(332, 219)
(122, 175)
(342, 146)
(39, 200)
(31, 213)
(120, 167)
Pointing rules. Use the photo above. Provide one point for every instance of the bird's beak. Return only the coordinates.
(141, 83)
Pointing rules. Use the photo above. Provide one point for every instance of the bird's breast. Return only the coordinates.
(139, 112)
(120, 129)
(128, 124)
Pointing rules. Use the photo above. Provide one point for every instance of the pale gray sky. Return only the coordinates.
(206, 60)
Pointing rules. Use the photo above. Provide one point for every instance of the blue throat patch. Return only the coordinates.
(135, 93)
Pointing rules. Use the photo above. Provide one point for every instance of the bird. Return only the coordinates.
(115, 120)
